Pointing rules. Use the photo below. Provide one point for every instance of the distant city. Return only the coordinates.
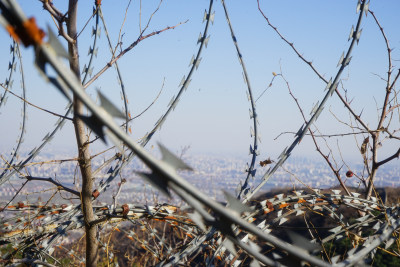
(211, 175)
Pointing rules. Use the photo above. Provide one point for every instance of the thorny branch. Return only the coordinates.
(326, 157)
(384, 112)
(35, 106)
(60, 17)
(313, 68)
(51, 180)
(141, 38)
(225, 219)
(374, 134)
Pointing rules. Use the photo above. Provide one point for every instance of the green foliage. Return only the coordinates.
(8, 250)
(339, 247)
(382, 258)
(61, 262)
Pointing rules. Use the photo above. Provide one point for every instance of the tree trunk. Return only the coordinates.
(83, 146)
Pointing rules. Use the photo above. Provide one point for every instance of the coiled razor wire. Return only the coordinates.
(88, 70)
(184, 84)
(164, 176)
(12, 65)
(120, 81)
(250, 170)
(331, 87)
(344, 61)
(5, 176)
(47, 220)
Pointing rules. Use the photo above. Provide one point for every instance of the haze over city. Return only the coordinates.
(199, 133)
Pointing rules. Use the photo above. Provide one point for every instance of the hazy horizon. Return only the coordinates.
(213, 114)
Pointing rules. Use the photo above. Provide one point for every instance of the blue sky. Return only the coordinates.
(212, 116)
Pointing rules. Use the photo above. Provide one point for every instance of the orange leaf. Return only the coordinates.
(283, 205)
(29, 33)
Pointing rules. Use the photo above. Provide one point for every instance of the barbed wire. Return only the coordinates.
(239, 224)
(344, 61)
(16, 53)
(254, 151)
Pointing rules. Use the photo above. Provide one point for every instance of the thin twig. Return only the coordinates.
(87, 22)
(109, 64)
(33, 105)
(59, 17)
(323, 135)
(123, 23)
(115, 197)
(14, 196)
(313, 68)
(51, 180)
(326, 158)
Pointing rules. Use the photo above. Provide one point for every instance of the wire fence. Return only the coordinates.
(241, 231)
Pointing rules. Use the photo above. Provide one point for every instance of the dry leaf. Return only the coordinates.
(364, 146)
(265, 162)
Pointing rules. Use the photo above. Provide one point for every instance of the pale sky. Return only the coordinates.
(213, 114)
